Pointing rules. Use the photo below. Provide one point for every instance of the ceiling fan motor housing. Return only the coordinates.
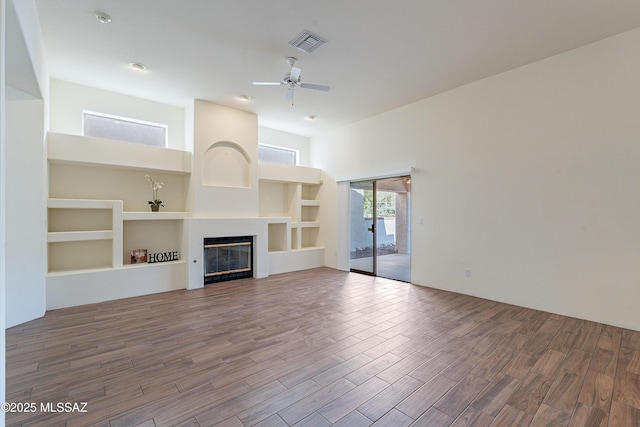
(287, 79)
(292, 79)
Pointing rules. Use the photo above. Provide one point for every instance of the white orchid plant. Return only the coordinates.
(155, 186)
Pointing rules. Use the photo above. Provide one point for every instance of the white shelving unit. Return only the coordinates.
(289, 194)
(97, 213)
(89, 239)
(72, 223)
(115, 236)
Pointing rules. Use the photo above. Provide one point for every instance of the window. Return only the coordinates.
(274, 154)
(106, 126)
(385, 204)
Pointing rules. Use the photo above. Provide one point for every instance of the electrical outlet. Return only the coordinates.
(467, 272)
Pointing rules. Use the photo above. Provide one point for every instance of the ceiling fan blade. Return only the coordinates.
(315, 87)
(266, 83)
(289, 95)
(295, 74)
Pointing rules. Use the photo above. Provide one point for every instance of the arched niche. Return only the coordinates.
(226, 164)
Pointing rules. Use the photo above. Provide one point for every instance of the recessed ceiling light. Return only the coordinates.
(311, 117)
(137, 66)
(244, 98)
(102, 17)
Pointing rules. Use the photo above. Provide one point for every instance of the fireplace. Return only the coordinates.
(227, 258)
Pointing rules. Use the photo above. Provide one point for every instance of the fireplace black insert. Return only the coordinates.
(227, 258)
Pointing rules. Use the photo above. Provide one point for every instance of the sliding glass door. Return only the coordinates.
(379, 227)
(362, 226)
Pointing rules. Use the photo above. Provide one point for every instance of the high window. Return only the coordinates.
(275, 154)
(99, 125)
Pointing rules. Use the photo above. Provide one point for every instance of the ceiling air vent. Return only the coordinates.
(307, 41)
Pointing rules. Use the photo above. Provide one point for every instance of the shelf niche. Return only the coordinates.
(79, 255)
(154, 236)
(310, 191)
(277, 199)
(66, 220)
(226, 164)
(278, 237)
(80, 181)
(309, 213)
(309, 238)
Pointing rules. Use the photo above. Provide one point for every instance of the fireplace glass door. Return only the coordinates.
(228, 258)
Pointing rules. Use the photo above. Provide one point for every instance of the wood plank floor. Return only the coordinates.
(321, 347)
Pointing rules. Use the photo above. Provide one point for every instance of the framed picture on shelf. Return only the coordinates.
(138, 256)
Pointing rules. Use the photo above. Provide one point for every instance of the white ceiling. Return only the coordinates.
(380, 54)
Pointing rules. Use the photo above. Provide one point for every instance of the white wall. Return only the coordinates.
(530, 178)
(26, 65)
(289, 140)
(25, 192)
(25, 212)
(3, 204)
(68, 100)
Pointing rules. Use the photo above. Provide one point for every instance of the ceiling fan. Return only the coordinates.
(292, 79)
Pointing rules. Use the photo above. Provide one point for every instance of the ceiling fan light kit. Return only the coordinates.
(293, 79)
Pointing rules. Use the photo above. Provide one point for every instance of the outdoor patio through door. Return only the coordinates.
(379, 227)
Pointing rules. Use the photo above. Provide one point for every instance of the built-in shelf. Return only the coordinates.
(291, 191)
(307, 224)
(80, 204)
(153, 264)
(151, 216)
(78, 236)
(64, 148)
(278, 220)
(105, 269)
(83, 234)
(277, 235)
(70, 249)
(74, 272)
(309, 237)
(91, 229)
(285, 173)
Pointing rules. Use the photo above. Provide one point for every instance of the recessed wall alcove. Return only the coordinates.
(226, 164)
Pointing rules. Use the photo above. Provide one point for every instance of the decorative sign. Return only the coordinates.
(162, 257)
